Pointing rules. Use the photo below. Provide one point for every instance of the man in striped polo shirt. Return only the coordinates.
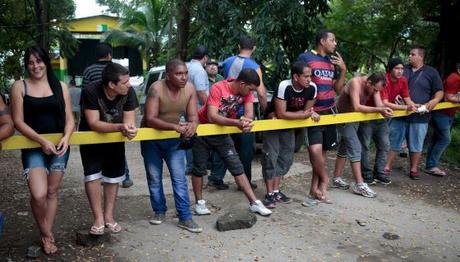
(328, 73)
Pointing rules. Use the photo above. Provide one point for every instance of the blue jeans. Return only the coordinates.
(442, 124)
(376, 130)
(154, 152)
(245, 144)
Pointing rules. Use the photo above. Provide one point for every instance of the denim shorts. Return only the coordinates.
(398, 127)
(33, 158)
(413, 132)
(416, 136)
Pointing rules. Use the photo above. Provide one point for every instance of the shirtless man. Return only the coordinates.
(353, 98)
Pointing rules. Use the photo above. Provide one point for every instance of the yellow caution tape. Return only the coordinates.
(90, 137)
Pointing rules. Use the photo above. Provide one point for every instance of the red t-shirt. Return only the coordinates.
(394, 89)
(391, 90)
(228, 104)
(452, 86)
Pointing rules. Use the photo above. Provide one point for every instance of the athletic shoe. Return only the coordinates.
(190, 225)
(219, 185)
(269, 201)
(258, 207)
(338, 182)
(310, 202)
(369, 181)
(157, 219)
(383, 179)
(282, 198)
(201, 209)
(127, 183)
(364, 190)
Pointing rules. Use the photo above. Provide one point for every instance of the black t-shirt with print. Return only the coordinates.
(295, 99)
(110, 111)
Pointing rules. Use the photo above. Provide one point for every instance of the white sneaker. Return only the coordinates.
(364, 190)
(258, 207)
(201, 209)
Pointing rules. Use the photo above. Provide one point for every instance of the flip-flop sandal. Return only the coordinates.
(98, 231)
(113, 227)
(438, 173)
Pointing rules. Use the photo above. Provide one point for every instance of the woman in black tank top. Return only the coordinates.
(41, 104)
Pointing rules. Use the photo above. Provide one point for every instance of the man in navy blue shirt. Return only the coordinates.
(425, 89)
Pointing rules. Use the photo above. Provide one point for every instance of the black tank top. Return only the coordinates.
(42, 114)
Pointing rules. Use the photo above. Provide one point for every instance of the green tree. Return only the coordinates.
(282, 30)
(372, 31)
(143, 28)
(18, 30)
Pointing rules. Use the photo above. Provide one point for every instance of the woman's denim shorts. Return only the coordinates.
(33, 158)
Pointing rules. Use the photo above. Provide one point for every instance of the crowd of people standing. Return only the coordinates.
(194, 93)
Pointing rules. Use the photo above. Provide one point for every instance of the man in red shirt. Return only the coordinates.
(442, 121)
(221, 108)
(396, 96)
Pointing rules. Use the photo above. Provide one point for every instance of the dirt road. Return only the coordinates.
(423, 216)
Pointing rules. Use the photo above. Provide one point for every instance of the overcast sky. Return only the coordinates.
(87, 8)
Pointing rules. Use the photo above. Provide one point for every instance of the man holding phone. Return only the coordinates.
(328, 73)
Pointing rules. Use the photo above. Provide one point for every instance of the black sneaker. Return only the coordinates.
(282, 198)
(382, 179)
(218, 185)
(269, 201)
(253, 185)
(369, 181)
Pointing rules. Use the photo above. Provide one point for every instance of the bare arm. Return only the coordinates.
(409, 105)
(434, 100)
(354, 89)
(215, 118)
(6, 123)
(282, 113)
(95, 124)
(69, 122)
(454, 98)
(261, 92)
(192, 114)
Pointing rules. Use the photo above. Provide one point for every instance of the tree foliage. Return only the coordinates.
(18, 30)
(372, 31)
(143, 28)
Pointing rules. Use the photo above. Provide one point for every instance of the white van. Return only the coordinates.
(154, 74)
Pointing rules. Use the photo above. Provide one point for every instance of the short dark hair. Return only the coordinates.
(421, 50)
(112, 72)
(322, 34)
(298, 67)
(249, 76)
(173, 63)
(375, 78)
(246, 42)
(200, 52)
(103, 50)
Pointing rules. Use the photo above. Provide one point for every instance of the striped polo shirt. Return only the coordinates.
(323, 75)
(93, 72)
